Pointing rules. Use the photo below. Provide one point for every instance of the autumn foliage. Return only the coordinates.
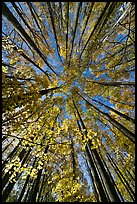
(68, 102)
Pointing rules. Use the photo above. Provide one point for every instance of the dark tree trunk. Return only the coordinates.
(115, 111)
(117, 83)
(7, 13)
(25, 185)
(109, 186)
(120, 127)
(10, 186)
(122, 178)
(11, 154)
(37, 183)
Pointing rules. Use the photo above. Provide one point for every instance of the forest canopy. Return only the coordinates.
(68, 102)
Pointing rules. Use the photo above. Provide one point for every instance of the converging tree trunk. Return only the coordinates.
(120, 127)
(109, 186)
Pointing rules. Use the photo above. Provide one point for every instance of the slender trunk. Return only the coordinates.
(105, 165)
(7, 146)
(54, 29)
(11, 155)
(7, 175)
(122, 178)
(99, 184)
(18, 100)
(31, 61)
(25, 185)
(109, 12)
(24, 21)
(7, 13)
(73, 156)
(74, 32)
(89, 13)
(37, 183)
(23, 190)
(116, 83)
(106, 178)
(115, 111)
(113, 196)
(96, 26)
(4, 138)
(67, 30)
(27, 193)
(95, 189)
(33, 13)
(120, 127)
(42, 184)
(10, 186)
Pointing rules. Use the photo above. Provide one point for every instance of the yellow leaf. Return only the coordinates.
(3, 69)
(12, 62)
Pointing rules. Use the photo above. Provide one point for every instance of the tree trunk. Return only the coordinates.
(105, 165)
(10, 186)
(113, 196)
(7, 146)
(122, 178)
(25, 185)
(95, 189)
(120, 127)
(37, 183)
(115, 111)
(7, 13)
(18, 100)
(116, 83)
(99, 185)
(11, 154)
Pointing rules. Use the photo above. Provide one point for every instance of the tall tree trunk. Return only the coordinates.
(115, 111)
(105, 165)
(116, 83)
(96, 26)
(122, 178)
(99, 184)
(101, 191)
(37, 182)
(54, 29)
(120, 127)
(113, 196)
(6, 147)
(25, 185)
(33, 13)
(31, 61)
(11, 154)
(42, 184)
(18, 101)
(7, 175)
(10, 186)
(106, 178)
(95, 189)
(7, 13)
